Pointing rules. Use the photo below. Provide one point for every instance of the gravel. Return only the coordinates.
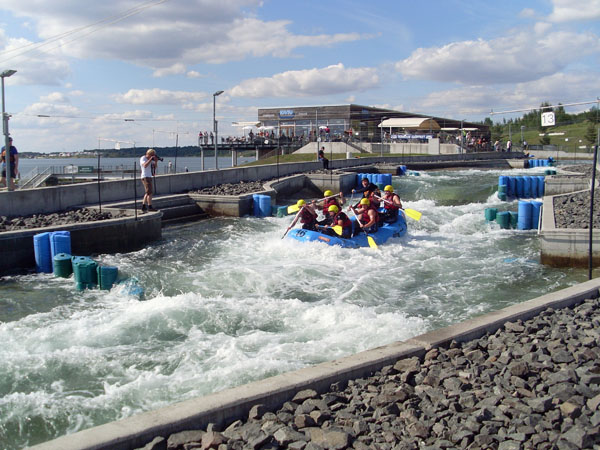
(54, 219)
(532, 384)
(573, 210)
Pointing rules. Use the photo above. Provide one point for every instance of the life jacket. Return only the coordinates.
(389, 196)
(346, 222)
(374, 201)
(365, 219)
(328, 202)
(306, 216)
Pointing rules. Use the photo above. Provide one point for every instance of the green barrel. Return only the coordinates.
(503, 219)
(62, 265)
(514, 219)
(502, 196)
(550, 172)
(84, 271)
(490, 214)
(502, 188)
(281, 211)
(107, 275)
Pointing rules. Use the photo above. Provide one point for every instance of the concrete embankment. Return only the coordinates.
(483, 382)
(60, 198)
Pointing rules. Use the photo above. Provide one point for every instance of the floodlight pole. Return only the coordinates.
(9, 183)
(215, 126)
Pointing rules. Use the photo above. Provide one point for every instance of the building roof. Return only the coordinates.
(418, 123)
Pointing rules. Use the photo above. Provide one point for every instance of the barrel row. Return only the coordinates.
(539, 162)
(380, 179)
(527, 217)
(520, 187)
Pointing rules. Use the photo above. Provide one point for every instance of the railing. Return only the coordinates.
(36, 178)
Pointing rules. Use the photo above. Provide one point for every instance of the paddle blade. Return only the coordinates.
(372, 242)
(413, 214)
(292, 209)
(338, 229)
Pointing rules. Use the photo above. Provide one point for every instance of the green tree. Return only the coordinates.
(545, 139)
(591, 134)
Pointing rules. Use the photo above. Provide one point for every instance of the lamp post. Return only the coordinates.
(522, 128)
(9, 186)
(381, 133)
(215, 126)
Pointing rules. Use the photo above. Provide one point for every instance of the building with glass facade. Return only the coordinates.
(363, 122)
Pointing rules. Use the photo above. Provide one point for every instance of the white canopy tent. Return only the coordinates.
(416, 123)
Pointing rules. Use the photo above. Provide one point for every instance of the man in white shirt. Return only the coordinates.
(148, 165)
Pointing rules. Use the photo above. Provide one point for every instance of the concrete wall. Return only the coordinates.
(60, 198)
(103, 236)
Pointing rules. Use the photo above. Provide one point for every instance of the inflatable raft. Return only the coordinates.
(385, 232)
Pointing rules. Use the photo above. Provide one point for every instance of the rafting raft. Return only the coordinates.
(384, 233)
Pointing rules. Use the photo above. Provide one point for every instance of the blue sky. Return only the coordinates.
(91, 65)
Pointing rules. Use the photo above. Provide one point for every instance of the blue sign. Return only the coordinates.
(286, 113)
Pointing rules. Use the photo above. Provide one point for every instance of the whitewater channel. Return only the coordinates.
(227, 301)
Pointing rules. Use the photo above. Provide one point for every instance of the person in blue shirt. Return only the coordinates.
(14, 164)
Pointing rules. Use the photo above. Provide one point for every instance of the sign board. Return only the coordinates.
(286, 113)
(85, 169)
(548, 119)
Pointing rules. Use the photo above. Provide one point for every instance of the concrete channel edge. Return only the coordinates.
(235, 403)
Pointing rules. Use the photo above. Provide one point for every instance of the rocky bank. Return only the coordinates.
(533, 384)
(54, 219)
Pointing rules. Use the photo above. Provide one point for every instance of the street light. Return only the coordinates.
(5, 74)
(215, 125)
(381, 133)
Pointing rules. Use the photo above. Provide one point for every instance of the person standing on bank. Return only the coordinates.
(14, 164)
(148, 164)
(322, 158)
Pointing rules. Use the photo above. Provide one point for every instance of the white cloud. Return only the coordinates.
(172, 34)
(575, 10)
(515, 58)
(159, 97)
(333, 79)
(175, 69)
(480, 100)
(193, 74)
(527, 13)
(54, 97)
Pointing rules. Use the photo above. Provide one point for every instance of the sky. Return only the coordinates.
(143, 73)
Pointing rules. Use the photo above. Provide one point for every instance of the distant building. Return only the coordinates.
(362, 121)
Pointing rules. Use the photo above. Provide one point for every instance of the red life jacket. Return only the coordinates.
(365, 219)
(374, 201)
(389, 196)
(306, 216)
(346, 222)
(327, 203)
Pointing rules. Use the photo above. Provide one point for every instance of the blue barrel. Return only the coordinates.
(60, 242)
(262, 205)
(42, 252)
(379, 180)
(403, 170)
(512, 187)
(62, 265)
(503, 219)
(360, 176)
(526, 187)
(388, 179)
(525, 219)
(541, 181)
(107, 275)
(502, 189)
(519, 187)
(536, 208)
(502, 180)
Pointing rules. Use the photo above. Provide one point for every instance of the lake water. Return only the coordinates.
(228, 301)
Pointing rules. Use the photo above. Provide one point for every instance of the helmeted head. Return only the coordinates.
(333, 209)
(327, 193)
(365, 201)
(300, 203)
(388, 188)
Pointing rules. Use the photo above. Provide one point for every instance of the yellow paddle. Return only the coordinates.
(294, 208)
(412, 213)
(338, 229)
(370, 240)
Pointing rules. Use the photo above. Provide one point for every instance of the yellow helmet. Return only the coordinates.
(300, 203)
(333, 208)
(365, 201)
(388, 188)
(327, 193)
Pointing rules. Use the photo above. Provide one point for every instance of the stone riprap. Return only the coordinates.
(243, 187)
(532, 384)
(55, 219)
(573, 211)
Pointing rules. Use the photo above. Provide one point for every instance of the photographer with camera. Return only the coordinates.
(148, 164)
